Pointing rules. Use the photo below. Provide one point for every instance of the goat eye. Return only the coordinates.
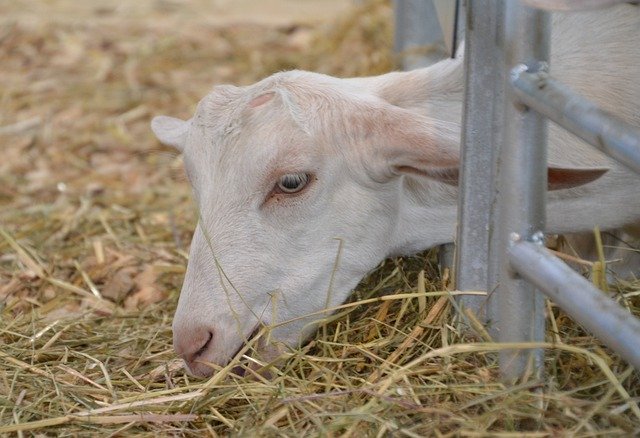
(292, 182)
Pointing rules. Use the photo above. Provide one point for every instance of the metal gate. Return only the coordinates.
(509, 95)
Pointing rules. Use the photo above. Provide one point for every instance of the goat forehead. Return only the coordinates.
(217, 111)
(254, 154)
(226, 133)
(267, 145)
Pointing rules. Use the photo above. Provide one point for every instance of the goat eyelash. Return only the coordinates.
(292, 183)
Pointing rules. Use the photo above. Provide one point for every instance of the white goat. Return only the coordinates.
(305, 182)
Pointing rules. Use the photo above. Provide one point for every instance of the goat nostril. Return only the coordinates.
(204, 347)
(195, 344)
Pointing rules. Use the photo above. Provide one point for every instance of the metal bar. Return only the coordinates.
(522, 182)
(572, 5)
(590, 307)
(418, 38)
(446, 255)
(481, 121)
(578, 115)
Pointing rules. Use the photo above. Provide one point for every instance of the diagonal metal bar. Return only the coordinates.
(590, 307)
(578, 115)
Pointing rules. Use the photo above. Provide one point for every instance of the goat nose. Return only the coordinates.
(192, 345)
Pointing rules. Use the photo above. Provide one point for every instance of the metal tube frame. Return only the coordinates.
(589, 306)
(576, 114)
(521, 200)
(418, 38)
(483, 90)
(510, 237)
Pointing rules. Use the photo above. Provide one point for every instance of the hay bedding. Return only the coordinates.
(95, 220)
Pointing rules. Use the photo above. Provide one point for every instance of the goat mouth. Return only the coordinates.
(243, 362)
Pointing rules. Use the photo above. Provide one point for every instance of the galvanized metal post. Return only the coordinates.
(481, 122)
(576, 114)
(590, 307)
(522, 182)
(418, 38)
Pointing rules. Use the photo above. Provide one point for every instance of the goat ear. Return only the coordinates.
(408, 143)
(565, 178)
(415, 88)
(558, 178)
(171, 131)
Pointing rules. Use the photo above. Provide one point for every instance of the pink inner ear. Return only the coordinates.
(566, 178)
(261, 100)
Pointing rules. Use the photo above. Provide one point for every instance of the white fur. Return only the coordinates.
(376, 148)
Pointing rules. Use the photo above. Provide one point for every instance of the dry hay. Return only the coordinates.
(95, 219)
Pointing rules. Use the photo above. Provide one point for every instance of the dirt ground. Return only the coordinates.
(176, 13)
